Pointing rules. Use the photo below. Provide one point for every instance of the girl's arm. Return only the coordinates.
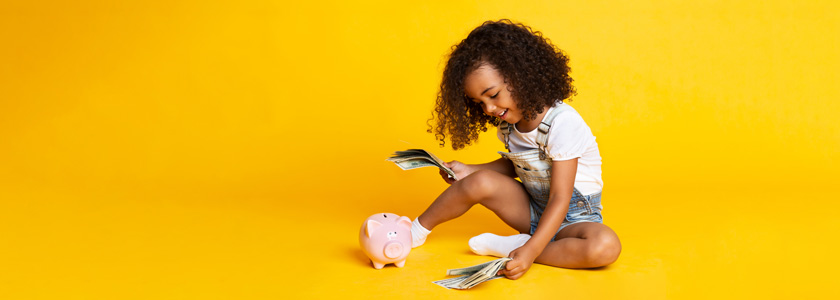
(560, 193)
(501, 165)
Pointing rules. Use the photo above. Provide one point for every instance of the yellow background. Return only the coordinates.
(208, 150)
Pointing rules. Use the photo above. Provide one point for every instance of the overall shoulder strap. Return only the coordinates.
(542, 131)
(505, 127)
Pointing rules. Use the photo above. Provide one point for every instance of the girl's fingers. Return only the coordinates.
(446, 177)
(511, 271)
(510, 275)
(514, 273)
(511, 265)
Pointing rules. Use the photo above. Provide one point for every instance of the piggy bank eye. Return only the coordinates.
(392, 234)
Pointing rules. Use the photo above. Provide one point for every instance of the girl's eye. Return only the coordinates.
(494, 96)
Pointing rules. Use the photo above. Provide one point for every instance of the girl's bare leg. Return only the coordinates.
(582, 245)
(502, 194)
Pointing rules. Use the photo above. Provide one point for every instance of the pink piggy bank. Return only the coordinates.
(386, 238)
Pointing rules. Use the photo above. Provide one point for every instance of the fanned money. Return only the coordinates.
(418, 158)
(474, 275)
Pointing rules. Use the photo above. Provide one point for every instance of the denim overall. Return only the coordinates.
(534, 170)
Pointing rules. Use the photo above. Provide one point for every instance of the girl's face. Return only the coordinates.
(488, 88)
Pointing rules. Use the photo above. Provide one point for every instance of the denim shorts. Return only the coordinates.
(534, 171)
(581, 209)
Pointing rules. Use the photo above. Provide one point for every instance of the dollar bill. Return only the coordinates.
(418, 158)
(474, 275)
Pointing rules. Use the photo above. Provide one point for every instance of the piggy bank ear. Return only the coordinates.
(372, 225)
(404, 222)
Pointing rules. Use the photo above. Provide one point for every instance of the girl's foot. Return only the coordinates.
(494, 245)
(418, 233)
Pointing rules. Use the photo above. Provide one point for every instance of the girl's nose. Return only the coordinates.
(489, 109)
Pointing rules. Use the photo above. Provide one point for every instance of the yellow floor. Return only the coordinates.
(234, 247)
(221, 150)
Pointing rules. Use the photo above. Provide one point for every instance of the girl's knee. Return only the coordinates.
(480, 184)
(603, 250)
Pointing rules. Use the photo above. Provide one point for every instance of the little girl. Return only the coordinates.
(509, 76)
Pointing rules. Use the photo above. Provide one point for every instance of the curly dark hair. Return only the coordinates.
(537, 72)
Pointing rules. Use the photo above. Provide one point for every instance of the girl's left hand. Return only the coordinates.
(461, 170)
(522, 259)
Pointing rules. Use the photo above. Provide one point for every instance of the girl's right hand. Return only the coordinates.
(461, 170)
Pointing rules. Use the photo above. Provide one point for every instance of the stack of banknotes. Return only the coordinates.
(474, 275)
(418, 158)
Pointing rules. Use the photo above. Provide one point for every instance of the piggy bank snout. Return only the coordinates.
(393, 249)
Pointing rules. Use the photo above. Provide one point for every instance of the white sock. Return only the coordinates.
(494, 245)
(418, 233)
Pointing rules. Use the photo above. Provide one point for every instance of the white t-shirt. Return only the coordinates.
(569, 137)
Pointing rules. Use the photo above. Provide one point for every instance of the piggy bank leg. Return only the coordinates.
(377, 265)
(400, 264)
